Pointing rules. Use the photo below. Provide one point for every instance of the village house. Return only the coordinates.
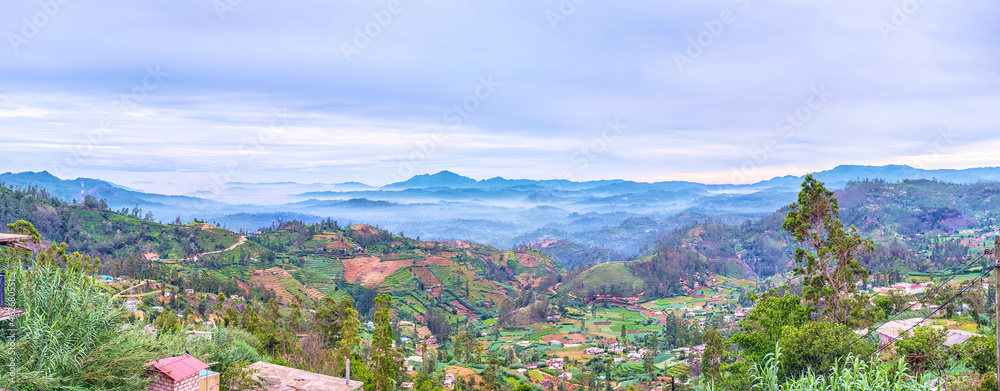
(279, 378)
(556, 364)
(593, 351)
(889, 332)
(181, 373)
(449, 379)
(567, 376)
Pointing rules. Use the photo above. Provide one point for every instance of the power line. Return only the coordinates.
(889, 318)
(959, 293)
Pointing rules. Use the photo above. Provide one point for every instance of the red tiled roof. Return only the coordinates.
(180, 367)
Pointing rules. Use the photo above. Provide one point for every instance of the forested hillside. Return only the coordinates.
(917, 226)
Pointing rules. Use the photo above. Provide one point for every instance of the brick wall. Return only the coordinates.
(189, 384)
(164, 383)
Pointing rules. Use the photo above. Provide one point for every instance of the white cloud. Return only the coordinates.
(357, 120)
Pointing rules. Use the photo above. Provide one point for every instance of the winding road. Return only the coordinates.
(243, 239)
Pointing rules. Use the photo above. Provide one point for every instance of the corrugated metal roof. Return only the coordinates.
(279, 378)
(180, 367)
(12, 240)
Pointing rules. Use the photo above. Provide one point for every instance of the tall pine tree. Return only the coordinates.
(383, 357)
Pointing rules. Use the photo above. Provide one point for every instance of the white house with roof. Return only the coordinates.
(889, 332)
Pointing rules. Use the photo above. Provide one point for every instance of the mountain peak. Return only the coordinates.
(441, 179)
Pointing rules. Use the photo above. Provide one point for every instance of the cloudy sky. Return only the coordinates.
(174, 94)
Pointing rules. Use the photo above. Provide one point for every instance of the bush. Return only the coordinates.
(72, 336)
(849, 374)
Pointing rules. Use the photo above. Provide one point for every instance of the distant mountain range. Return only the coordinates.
(617, 215)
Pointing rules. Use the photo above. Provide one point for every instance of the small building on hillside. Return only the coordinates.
(181, 373)
(279, 378)
(891, 331)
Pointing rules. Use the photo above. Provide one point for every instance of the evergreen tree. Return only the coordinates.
(383, 357)
(350, 338)
(831, 268)
(711, 359)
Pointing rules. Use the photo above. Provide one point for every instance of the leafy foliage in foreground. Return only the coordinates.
(74, 337)
(849, 374)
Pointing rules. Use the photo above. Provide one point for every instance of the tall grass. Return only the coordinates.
(73, 336)
(849, 374)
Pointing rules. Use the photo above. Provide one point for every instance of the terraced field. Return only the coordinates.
(277, 282)
(327, 266)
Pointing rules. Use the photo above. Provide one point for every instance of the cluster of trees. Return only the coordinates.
(788, 339)
(917, 210)
(72, 337)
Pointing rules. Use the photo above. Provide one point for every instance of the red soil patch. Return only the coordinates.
(565, 338)
(464, 311)
(528, 281)
(425, 276)
(244, 286)
(527, 260)
(435, 260)
(602, 323)
(456, 244)
(464, 373)
(364, 229)
(338, 245)
(371, 271)
(546, 243)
